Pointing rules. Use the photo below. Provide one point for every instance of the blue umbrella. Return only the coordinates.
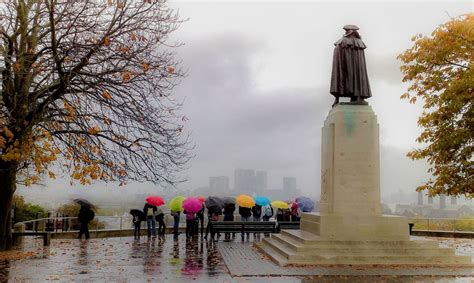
(262, 201)
(305, 204)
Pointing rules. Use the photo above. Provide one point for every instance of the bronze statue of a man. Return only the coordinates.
(349, 71)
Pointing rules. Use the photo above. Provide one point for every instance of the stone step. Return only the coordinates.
(309, 239)
(272, 253)
(280, 247)
(289, 241)
(301, 236)
(298, 247)
(310, 226)
(377, 259)
(292, 247)
(280, 251)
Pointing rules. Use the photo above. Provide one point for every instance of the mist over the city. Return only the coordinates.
(257, 92)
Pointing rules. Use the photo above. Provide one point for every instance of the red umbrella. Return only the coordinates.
(192, 205)
(201, 199)
(155, 200)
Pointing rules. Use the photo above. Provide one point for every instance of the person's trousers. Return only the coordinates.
(161, 225)
(229, 218)
(295, 218)
(200, 221)
(151, 225)
(136, 233)
(176, 225)
(245, 219)
(190, 228)
(208, 227)
(84, 230)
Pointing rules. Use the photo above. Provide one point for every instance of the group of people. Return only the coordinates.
(195, 221)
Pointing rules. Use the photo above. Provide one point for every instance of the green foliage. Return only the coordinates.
(462, 224)
(25, 211)
(440, 70)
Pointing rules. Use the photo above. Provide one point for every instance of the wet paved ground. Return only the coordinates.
(243, 259)
(126, 260)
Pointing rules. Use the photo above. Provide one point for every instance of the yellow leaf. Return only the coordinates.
(106, 41)
(94, 130)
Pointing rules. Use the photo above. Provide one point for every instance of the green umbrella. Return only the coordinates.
(176, 204)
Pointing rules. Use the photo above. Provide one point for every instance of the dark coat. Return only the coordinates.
(257, 210)
(245, 211)
(145, 208)
(349, 71)
(85, 215)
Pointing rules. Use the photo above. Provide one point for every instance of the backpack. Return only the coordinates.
(257, 210)
(90, 215)
(268, 211)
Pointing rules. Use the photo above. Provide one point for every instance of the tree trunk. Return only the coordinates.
(7, 189)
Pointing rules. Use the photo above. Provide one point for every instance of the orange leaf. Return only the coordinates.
(126, 76)
(106, 95)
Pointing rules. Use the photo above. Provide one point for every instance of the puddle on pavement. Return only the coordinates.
(119, 259)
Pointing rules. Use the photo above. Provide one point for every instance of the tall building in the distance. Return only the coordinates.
(249, 181)
(260, 181)
(289, 186)
(219, 184)
(244, 180)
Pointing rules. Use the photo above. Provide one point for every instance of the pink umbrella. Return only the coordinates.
(155, 200)
(192, 205)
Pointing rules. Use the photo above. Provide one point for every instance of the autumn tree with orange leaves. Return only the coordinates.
(439, 68)
(86, 93)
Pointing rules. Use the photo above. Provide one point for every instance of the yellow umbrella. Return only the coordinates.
(280, 204)
(245, 201)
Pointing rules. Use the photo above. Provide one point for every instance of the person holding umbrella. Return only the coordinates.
(200, 221)
(295, 212)
(150, 214)
(84, 217)
(176, 206)
(229, 209)
(160, 217)
(138, 216)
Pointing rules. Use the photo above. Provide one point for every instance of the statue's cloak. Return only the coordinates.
(349, 71)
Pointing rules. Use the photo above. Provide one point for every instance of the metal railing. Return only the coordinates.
(102, 222)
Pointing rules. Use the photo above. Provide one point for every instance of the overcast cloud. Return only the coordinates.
(256, 93)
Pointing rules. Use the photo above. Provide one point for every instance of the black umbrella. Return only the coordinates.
(139, 213)
(83, 202)
(214, 201)
(228, 200)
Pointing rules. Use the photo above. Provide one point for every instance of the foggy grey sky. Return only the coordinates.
(257, 89)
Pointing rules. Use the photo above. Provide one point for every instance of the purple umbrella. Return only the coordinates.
(305, 204)
(192, 205)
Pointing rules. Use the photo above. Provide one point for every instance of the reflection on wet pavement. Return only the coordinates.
(163, 259)
(120, 259)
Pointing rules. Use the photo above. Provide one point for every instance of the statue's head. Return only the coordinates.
(351, 30)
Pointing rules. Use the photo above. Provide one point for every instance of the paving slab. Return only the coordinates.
(244, 259)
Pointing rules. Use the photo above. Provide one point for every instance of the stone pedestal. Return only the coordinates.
(350, 228)
(350, 206)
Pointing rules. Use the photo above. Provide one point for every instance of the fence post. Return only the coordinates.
(121, 222)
